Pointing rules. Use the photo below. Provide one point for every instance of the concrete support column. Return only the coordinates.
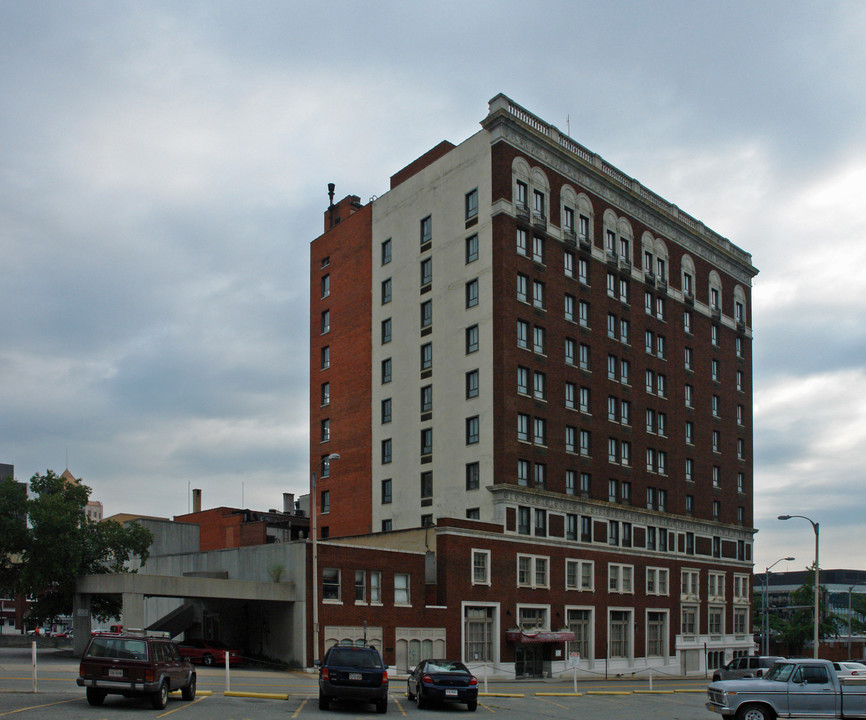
(81, 622)
(133, 611)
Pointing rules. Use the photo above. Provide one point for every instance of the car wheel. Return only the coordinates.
(382, 705)
(188, 693)
(419, 700)
(324, 702)
(159, 699)
(95, 697)
(472, 705)
(409, 693)
(755, 712)
(207, 660)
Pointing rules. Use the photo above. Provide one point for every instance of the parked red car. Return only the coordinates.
(209, 652)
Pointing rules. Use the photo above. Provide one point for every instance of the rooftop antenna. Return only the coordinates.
(568, 125)
(331, 188)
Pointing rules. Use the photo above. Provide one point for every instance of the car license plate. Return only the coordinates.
(115, 672)
(451, 693)
(355, 676)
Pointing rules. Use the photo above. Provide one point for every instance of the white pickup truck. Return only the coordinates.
(790, 689)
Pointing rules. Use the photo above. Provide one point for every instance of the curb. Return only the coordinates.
(559, 694)
(496, 694)
(201, 693)
(608, 692)
(260, 695)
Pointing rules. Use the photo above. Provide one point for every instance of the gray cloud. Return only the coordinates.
(165, 168)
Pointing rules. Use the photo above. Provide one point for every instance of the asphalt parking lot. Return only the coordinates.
(269, 694)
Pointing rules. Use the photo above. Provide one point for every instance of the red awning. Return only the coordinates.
(529, 638)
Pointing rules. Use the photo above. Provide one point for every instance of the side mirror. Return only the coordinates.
(412, 669)
(317, 663)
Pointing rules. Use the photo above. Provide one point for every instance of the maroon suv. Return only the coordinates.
(134, 666)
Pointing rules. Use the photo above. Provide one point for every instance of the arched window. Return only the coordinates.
(715, 296)
(662, 264)
(568, 212)
(740, 309)
(687, 279)
(585, 220)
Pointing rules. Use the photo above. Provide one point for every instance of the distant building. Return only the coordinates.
(526, 351)
(226, 527)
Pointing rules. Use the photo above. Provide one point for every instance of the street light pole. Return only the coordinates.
(815, 527)
(766, 603)
(315, 538)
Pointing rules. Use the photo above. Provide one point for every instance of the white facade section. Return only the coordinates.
(438, 191)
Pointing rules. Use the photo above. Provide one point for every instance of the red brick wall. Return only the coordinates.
(348, 249)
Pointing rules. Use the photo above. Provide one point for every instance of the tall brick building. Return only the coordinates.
(548, 366)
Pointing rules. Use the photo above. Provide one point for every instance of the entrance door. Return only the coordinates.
(529, 660)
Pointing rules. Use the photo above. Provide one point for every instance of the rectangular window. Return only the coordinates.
(386, 291)
(585, 442)
(522, 380)
(473, 476)
(386, 370)
(326, 321)
(568, 263)
(426, 230)
(538, 385)
(326, 357)
(426, 271)
(620, 578)
(386, 411)
(375, 587)
(472, 384)
(330, 583)
(472, 430)
(532, 571)
(538, 338)
(471, 339)
(326, 501)
(426, 441)
(360, 586)
(386, 251)
(471, 204)
(539, 431)
(401, 589)
(481, 567)
(585, 528)
(386, 451)
(568, 219)
(687, 322)
(570, 482)
(386, 331)
(326, 285)
(523, 334)
(570, 439)
(584, 357)
(523, 427)
(570, 351)
(426, 313)
(426, 484)
(580, 623)
(426, 398)
(523, 473)
(583, 271)
(570, 392)
(326, 394)
(522, 288)
(471, 249)
(386, 491)
(583, 314)
(540, 522)
(538, 294)
(569, 307)
(522, 243)
(578, 574)
(426, 356)
(538, 249)
(656, 581)
(472, 293)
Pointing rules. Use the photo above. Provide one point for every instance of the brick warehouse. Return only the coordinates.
(537, 376)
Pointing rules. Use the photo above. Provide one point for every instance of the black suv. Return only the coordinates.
(134, 666)
(353, 673)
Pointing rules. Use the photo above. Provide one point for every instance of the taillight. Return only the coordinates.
(427, 679)
(473, 680)
(81, 672)
(384, 677)
(149, 675)
(325, 674)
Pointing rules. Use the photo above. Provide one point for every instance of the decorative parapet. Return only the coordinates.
(501, 105)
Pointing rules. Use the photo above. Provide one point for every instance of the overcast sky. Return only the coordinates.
(164, 167)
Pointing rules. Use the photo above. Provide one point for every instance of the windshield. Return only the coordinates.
(780, 672)
(112, 647)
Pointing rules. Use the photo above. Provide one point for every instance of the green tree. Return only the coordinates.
(799, 627)
(13, 532)
(63, 543)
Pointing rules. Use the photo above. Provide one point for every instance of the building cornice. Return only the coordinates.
(509, 122)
